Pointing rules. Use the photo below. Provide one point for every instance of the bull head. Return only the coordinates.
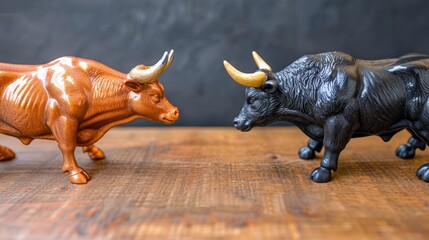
(262, 96)
(147, 94)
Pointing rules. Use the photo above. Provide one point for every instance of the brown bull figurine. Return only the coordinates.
(76, 101)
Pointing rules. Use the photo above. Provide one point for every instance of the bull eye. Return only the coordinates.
(256, 106)
(250, 100)
(156, 98)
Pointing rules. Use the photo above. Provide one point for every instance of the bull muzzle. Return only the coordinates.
(170, 117)
(242, 125)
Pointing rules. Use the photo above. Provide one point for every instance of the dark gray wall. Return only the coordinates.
(125, 33)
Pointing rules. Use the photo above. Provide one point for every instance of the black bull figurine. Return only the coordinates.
(333, 97)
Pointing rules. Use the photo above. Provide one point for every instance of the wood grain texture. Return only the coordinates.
(212, 183)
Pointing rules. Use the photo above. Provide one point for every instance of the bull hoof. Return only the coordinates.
(79, 176)
(423, 172)
(321, 175)
(6, 154)
(97, 155)
(405, 151)
(306, 153)
(94, 152)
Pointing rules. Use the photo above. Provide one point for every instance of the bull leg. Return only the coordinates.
(309, 151)
(423, 171)
(337, 133)
(64, 130)
(6, 153)
(94, 152)
(408, 150)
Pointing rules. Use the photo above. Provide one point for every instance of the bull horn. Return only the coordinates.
(255, 79)
(260, 62)
(170, 59)
(144, 74)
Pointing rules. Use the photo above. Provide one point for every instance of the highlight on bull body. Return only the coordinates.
(333, 97)
(77, 103)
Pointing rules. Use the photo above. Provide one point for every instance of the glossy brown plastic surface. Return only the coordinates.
(75, 101)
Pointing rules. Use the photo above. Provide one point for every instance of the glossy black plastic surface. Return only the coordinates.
(333, 97)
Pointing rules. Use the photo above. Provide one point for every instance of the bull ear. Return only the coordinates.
(270, 86)
(133, 85)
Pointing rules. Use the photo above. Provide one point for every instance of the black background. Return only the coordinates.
(125, 33)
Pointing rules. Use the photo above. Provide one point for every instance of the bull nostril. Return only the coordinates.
(176, 112)
(235, 123)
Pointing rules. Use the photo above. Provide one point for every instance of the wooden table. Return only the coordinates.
(216, 183)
